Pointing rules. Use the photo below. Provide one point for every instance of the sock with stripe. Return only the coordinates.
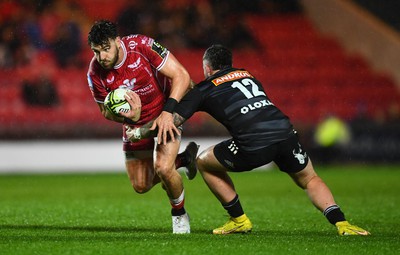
(334, 214)
(178, 205)
(234, 208)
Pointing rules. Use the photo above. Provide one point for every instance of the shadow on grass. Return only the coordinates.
(37, 233)
(79, 228)
(128, 229)
(54, 232)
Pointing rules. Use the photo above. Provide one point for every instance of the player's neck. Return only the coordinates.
(121, 54)
(214, 71)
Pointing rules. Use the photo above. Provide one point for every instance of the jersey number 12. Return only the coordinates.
(241, 85)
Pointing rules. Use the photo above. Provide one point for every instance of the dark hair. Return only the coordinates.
(101, 32)
(218, 56)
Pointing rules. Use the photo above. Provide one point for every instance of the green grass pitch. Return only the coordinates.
(93, 213)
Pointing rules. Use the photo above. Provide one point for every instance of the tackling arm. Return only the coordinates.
(189, 104)
(145, 131)
(181, 83)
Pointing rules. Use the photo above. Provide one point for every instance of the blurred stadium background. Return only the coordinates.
(331, 66)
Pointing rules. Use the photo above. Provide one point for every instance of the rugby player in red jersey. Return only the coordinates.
(156, 82)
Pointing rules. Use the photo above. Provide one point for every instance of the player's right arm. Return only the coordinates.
(99, 93)
(129, 117)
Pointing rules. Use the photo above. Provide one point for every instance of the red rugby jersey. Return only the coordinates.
(138, 71)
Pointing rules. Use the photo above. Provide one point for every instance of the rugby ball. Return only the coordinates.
(116, 103)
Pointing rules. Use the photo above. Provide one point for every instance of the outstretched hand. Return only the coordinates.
(165, 125)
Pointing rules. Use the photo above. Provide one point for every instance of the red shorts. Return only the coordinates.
(144, 144)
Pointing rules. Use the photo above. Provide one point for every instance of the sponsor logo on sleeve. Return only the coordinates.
(159, 49)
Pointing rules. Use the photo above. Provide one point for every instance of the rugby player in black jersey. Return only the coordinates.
(260, 132)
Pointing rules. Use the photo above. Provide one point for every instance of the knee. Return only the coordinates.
(305, 182)
(163, 170)
(141, 175)
(305, 176)
(140, 187)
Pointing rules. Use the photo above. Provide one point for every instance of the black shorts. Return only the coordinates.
(288, 155)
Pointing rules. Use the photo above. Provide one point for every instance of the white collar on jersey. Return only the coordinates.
(124, 58)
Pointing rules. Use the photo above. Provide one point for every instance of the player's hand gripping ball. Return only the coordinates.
(115, 102)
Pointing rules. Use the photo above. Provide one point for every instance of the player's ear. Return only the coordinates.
(117, 40)
(207, 69)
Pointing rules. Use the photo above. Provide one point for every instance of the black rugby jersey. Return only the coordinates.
(238, 101)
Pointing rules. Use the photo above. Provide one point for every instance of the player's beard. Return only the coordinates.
(109, 64)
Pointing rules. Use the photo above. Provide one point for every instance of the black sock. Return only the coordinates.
(178, 212)
(234, 208)
(334, 214)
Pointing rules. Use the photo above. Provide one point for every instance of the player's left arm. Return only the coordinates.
(180, 84)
